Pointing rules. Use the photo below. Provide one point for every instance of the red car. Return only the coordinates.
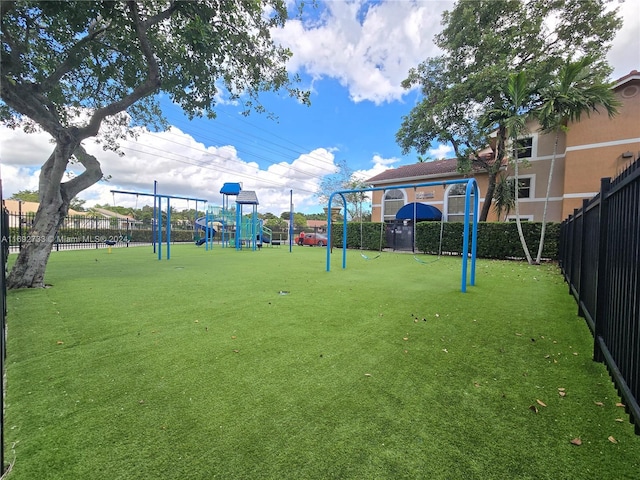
(312, 239)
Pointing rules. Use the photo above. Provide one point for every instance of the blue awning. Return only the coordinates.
(421, 211)
(230, 189)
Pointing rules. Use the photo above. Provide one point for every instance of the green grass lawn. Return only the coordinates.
(199, 368)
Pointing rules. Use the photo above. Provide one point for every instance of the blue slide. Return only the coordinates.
(210, 232)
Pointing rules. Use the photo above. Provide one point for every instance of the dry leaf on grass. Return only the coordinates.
(533, 408)
(612, 440)
(541, 403)
(600, 404)
(576, 441)
(367, 374)
(619, 420)
(619, 404)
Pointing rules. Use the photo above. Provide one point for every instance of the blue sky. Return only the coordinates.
(352, 55)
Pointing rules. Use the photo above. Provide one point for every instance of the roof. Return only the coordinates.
(421, 211)
(15, 206)
(632, 75)
(247, 197)
(230, 189)
(436, 168)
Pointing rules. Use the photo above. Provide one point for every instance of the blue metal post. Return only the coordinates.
(290, 220)
(153, 221)
(238, 226)
(474, 234)
(168, 229)
(159, 229)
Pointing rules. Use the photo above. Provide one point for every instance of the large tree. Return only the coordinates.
(77, 69)
(483, 42)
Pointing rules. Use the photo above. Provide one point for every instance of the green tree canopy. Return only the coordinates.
(483, 42)
(77, 69)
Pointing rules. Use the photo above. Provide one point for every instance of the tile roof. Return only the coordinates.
(247, 197)
(436, 168)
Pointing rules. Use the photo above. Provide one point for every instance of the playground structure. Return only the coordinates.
(469, 248)
(230, 225)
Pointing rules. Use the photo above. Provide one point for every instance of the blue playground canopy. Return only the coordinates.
(230, 189)
(421, 212)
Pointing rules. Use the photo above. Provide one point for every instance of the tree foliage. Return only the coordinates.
(76, 69)
(483, 42)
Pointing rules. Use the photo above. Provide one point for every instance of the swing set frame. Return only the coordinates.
(469, 245)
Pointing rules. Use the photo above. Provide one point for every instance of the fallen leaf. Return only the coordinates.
(575, 353)
(445, 350)
(233, 337)
(476, 384)
(562, 393)
(619, 420)
(600, 404)
(406, 338)
(367, 374)
(547, 356)
(619, 404)
(196, 321)
(541, 403)
(533, 408)
(236, 351)
(518, 334)
(60, 342)
(576, 441)
(561, 389)
(612, 440)
(437, 315)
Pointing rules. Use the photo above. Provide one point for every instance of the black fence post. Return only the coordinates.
(602, 300)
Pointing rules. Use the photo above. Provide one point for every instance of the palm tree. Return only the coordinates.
(576, 90)
(504, 196)
(516, 99)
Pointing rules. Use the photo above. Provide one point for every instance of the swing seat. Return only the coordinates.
(426, 263)
(200, 241)
(110, 243)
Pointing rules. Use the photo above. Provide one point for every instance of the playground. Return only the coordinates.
(267, 366)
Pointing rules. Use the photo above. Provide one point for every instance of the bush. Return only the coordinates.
(498, 240)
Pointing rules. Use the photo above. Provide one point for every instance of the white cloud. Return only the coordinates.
(368, 47)
(441, 151)
(624, 55)
(181, 166)
(380, 164)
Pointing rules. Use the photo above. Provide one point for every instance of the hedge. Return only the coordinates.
(498, 240)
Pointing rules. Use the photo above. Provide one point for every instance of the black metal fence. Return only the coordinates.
(4, 255)
(600, 259)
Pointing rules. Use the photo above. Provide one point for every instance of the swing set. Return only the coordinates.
(157, 226)
(469, 245)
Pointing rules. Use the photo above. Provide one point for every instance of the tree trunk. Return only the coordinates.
(28, 271)
(517, 209)
(488, 197)
(546, 201)
(55, 196)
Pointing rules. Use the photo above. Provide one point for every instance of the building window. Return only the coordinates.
(392, 202)
(524, 147)
(456, 196)
(524, 188)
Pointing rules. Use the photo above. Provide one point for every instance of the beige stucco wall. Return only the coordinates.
(597, 145)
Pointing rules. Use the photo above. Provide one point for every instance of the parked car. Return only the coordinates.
(312, 239)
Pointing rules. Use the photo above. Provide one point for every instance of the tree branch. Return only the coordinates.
(71, 60)
(92, 173)
(150, 85)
